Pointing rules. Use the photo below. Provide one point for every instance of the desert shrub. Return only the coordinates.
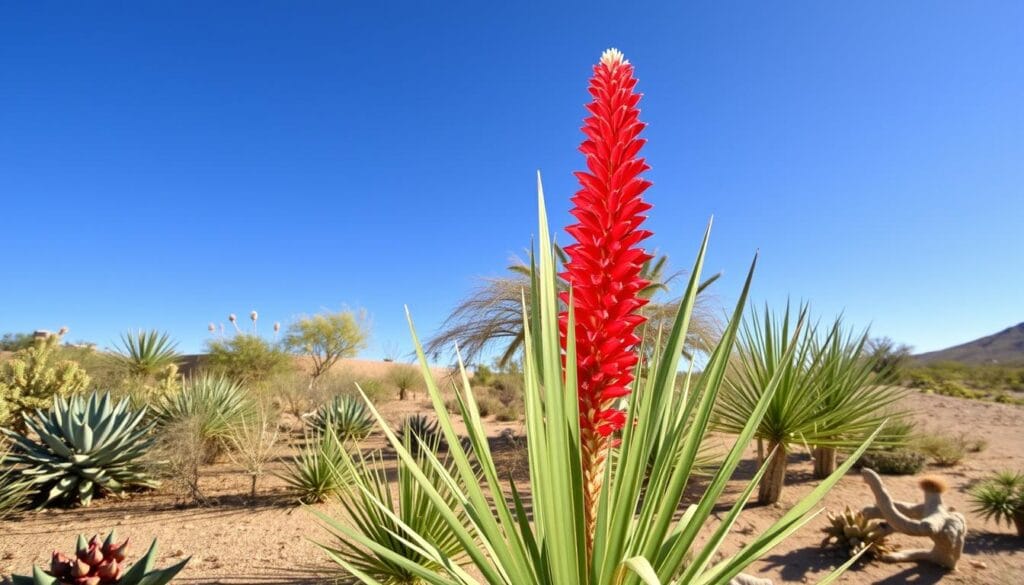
(214, 402)
(973, 444)
(81, 448)
(487, 405)
(293, 394)
(344, 382)
(16, 341)
(33, 376)
(1001, 497)
(248, 359)
(148, 363)
(893, 462)
(182, 448)
(319, 471)
(942, 450)
(405, 378)
(253, 439)
(346, 416)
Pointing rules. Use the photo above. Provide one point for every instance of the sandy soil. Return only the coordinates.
(270, 540)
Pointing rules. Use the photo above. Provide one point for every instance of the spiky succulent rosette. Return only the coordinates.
(605, 262)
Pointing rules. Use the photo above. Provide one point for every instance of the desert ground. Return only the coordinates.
(270, 539)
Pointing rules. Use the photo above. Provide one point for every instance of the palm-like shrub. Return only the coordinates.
(215, 403)
(319, 472)
(146, 354)
(1001, 498)
(824, 398)
(346, 416)
(86, 446)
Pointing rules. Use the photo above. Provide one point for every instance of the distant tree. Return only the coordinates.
(247, 359)
(405, 377)
(492, 315)
(15, 341)
(889, 358)
(326, 338)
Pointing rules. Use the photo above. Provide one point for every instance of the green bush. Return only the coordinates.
(942, 450)
(893, 462)
(248, 359)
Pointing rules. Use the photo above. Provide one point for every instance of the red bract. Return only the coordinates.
(606, 261)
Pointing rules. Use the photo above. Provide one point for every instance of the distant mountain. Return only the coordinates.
(1005, 348)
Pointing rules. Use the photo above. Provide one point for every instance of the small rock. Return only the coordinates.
(979, 565)
(8, 555)
(177, 554)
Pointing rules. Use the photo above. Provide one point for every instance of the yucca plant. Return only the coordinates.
(1001, 497)
(421, 432)
(100, 563)
(855, 396)
(85, 447)
(146, 354)
(319, 472)
(407, 504)
(347, 416)
(821, 400)
(624, 539)
(215, 403)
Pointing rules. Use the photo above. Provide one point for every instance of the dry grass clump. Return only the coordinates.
(182, 447)
(253, 440)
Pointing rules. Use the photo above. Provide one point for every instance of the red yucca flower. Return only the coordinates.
(606, 260)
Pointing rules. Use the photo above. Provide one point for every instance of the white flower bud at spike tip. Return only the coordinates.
(212, 327)
(232, 318)
(277, 326)
(612, 57)
(253, 315)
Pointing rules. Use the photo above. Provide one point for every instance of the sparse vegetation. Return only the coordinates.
(942, 450)
(1004, 384)
(253, 440)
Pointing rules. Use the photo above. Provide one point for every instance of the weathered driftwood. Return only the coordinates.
(929, 519)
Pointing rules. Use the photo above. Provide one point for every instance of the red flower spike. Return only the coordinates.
(605, 264)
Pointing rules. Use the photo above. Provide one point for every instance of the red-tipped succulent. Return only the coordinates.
(100, 563)
(606, 260)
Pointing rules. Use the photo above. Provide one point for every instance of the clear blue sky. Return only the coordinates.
(164, 164)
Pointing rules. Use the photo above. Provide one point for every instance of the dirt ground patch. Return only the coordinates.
(270, 540)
